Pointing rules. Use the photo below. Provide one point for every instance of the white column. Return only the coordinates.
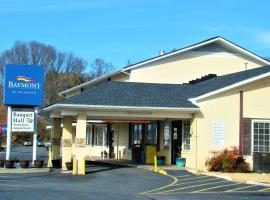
(8, 133)
(35, 136)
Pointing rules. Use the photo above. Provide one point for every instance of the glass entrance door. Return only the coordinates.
(176, 140)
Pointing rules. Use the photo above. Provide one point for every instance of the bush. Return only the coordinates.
(227, 160)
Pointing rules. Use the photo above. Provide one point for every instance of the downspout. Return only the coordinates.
(241, 123)
(196, 159)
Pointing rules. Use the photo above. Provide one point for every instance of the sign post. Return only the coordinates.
(8, 133)
(23, 93)
(35, 137)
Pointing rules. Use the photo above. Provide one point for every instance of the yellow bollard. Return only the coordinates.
(83, 166)
(49, 158)
(74, 170)
(159, 170)
(155, 164)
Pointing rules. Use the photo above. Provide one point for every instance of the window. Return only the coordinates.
(101, 135)
(152, 134)
(261, 133)
(89, 133)
(186, 135)
(137, 134)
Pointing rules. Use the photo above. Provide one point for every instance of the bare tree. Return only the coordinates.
(100, 67)
(56, 65)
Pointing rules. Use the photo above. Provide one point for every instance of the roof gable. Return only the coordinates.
(218, 42)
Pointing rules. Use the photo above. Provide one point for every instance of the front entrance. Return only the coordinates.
(176, 140)
(110, 130)
(137, 143)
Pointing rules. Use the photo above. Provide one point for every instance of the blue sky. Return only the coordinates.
(121, 30)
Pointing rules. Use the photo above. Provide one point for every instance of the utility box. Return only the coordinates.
(150, 152)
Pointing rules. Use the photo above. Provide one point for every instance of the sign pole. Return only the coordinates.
(8, 133)
(35, 136)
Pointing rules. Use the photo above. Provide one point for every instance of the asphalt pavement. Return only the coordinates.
(120, 182)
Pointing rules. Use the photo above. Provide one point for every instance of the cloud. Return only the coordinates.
(260, 37)
(264, 37)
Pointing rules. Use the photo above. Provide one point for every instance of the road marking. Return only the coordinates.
(14, 185)
(184, 176)
(163, 187)
(236, 189)
(194, 186)
(220, 186)
(262, 190)
(207, 192)
(193, 178)
(197, 181)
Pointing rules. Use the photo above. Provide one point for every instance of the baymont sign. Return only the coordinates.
(23, 85)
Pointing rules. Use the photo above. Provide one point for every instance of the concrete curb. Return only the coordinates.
(228, 178)
(258, 183)
(231, 179)
(24, 171)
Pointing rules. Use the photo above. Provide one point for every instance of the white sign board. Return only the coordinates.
(219, 133)
(166, 136)
(22, 121)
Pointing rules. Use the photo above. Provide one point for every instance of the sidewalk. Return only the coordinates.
(250, 178)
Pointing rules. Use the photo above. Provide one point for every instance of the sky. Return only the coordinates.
(134, 30)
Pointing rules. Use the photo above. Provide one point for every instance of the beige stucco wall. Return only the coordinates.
(223, 109)
(256, 100)
(188, 66)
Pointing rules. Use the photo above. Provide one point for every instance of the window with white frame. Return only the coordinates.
(152, 133)
(101, 135)
(89, 132)
(186, 135)
(261, 133)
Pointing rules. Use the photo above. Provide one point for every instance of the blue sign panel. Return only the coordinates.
(23, 85)
(3, 129)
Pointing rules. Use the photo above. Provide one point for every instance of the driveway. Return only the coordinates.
(101, 182)
(111, 182)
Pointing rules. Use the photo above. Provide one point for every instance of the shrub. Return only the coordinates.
(227, 160)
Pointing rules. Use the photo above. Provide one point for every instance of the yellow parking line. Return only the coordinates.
(236, 189)
(163, 187)
(262, 190)
(197, 181)
(194, 186)
(220, 186)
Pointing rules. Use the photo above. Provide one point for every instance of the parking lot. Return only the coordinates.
(25, 153)
(115, 182)
(119, 182)
(185, 183)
